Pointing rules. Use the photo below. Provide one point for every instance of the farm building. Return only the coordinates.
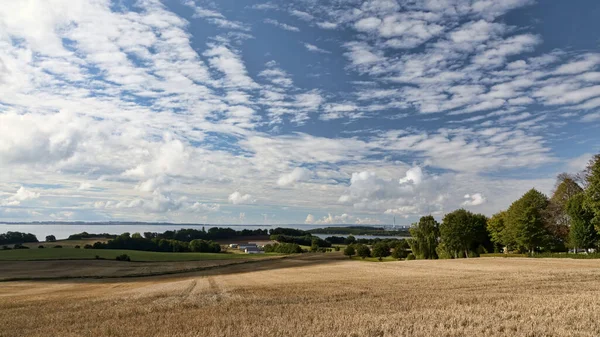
(253, 250)
(250, 248)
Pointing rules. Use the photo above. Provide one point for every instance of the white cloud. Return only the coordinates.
(21, 195)
(473, 199)
(281, 25)
(84, 185)
(302, 15)
(367, 24)
(237, 198)
(231, 65)
(313, 48)
(413, 176)
(327, 25)
(309, 219)
(298, 174)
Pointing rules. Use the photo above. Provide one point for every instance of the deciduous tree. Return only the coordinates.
(425, 235)
(349, 251)
(381, 250)
(582, 234)
(363, 251)
(462, 232)
(525, 220)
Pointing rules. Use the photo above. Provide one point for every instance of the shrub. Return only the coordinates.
(337, 248)
(410, 256)
(41, 246)
(77, 247)
(123, 257)
(50, 238)
(20, 246)
(6, 248)
(88, 246)
(57, 246)
(97, 257)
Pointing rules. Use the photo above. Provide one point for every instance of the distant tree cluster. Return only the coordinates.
(16, 238)
(214, 233)
(357, 230)
(398, 249)
(570, 218)
(283, 248)
(306, 240)
(135, 241)
(86, 235)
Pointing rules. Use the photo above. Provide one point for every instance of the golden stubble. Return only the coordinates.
(320, 295)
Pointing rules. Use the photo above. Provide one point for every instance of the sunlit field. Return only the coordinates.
(320, 295)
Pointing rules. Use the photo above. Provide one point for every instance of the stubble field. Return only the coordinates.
(320, 295)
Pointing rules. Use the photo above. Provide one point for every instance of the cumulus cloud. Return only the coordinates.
(309, 219)
(237, 198)
(414, 175)
(21, 195)
(298, 174)
(473, 199)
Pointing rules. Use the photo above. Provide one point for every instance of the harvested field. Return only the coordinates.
(64, 269)
(320, 295)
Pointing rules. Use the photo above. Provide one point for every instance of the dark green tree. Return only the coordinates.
(582, 233)
(349, 251)
(525, 220)
(381, 250)
(462, 232)
(50, 238)
(557, 220)
(363, 251)
(425, 235)
(400, 250)
(592, 190)
(499, 235)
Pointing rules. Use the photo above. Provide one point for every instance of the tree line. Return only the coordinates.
(17, 238)
(570, 218)
(398, 249)
(135, 241)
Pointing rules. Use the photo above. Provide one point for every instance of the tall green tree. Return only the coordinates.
(425, 235)
(582, 234)
(462, 232)
(499, 235)
(557, 219)
(525, 220)
(592, 189)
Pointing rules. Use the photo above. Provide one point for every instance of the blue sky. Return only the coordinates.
(296, 112)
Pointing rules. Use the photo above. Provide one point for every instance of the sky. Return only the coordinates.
(291, 112)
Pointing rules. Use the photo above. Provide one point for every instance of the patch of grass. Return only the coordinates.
(374, 259)
(65, 243)
(568, 256)
(111, 254)
(503, 255)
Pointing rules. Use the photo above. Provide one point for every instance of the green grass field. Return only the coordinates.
(111, 254)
